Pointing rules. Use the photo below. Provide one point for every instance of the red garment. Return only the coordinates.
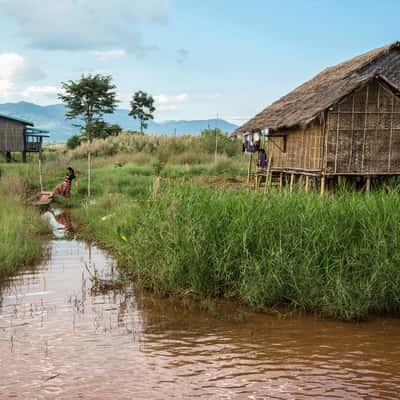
(63, 189)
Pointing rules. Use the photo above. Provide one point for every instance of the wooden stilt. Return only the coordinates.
(256, 182)
(307, 183)
(291, 182)
(267, 175)
(280, 180)
(24, 156)
(322, 185)
(8, 156)
(368, 185)
(249, 168)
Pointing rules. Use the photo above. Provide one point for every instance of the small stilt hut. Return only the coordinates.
(342, 124)
(18, 135)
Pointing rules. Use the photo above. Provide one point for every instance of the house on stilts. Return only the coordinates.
(342, 124)
(19, 135)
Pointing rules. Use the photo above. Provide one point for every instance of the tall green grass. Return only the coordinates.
(334, 255)
(21, 227)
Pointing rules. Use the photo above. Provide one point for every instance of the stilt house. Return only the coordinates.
(18, 135)
(345, 122)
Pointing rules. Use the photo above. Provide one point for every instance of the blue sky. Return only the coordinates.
(198, 58)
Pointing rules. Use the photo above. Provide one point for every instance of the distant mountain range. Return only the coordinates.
(52, 118)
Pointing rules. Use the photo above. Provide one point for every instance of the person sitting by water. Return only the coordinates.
(262, 159)
(64, 188)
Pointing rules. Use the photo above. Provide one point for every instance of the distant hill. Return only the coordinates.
(52, 118)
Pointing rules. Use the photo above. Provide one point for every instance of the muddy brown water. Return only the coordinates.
(59, 339)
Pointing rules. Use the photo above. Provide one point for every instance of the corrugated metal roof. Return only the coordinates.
(23, 121)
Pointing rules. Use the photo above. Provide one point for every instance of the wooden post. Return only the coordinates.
(291, 181)
(280, 180)
(89, 192)
(8, 156)
(40, 171)
(307, 182)
(322, 185)
(24, 156)
(368, 185)
(267, 175)
(249, 168)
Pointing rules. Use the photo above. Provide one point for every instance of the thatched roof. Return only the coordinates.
(306, 102)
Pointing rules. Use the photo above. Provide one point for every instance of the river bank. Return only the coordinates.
(22, 230)
(333, 256)
(64, 339)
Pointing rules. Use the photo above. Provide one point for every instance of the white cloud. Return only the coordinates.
(14, 67)
(164, 99)
(169, 103)
(15, 73)
(41, 94)
(85, 24)
(106, 55)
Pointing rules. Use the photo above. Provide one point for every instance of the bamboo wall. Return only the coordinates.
(303, 149)
(363, 132)
(11, 135)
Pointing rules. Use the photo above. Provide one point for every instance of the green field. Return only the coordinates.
(336, 255)
(22, 230)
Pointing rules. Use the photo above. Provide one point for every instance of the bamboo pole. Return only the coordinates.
(337, 136)
(391, 137)
(322, 185)
(352, 133)
(280, 180)
(325, 134)
(307, 182)
(291, 182)
(368, 185)
(267, 176)
(249, 168)
(365, 128)
(89, 172)
(40, 171)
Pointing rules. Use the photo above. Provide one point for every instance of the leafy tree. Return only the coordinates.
(73, 142)
(142, 108)
(87, 100)
(102, 130)
(209, 138)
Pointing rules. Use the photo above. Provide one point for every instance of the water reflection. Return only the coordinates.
(60, 339)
